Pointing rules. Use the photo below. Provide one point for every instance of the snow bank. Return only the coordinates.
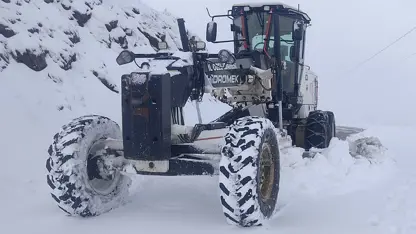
(334, 171)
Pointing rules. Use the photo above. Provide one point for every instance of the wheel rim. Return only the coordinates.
(100, 179)
(266, 167)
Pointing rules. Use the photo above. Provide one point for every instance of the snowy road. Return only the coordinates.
(332, 193)
(343, 132)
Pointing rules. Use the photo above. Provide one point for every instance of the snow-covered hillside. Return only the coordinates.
(60, 55)
(57, 62)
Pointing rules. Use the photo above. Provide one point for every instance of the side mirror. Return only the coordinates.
(226, 56)
(297, 30)
(125, 57)
(211, 34)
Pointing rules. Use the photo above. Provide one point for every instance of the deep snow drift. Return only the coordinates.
(332, 193)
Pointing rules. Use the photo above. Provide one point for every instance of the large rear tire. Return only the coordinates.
(79, 183)
(249, 172)
(333, 129)
(320, 129)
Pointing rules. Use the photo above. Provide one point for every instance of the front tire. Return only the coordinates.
(249, 172)
(78, 183)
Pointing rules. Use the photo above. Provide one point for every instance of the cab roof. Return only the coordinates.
(260, 4)
(256, 4)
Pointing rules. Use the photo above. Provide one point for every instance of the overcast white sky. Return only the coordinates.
(343, 33)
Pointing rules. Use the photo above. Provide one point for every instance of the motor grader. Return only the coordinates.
(273, 95)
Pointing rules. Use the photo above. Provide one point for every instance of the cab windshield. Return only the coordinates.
(259, 28)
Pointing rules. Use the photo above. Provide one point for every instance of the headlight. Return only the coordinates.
(200, 45)
(162, 45)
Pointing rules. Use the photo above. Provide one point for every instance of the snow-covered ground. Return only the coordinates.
(332, 193)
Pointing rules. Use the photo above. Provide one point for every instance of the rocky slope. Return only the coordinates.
(61, 54)
(62, 33)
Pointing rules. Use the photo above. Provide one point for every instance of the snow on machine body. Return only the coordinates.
(274, 96)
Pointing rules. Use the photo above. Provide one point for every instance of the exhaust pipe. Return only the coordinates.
(183, 34)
